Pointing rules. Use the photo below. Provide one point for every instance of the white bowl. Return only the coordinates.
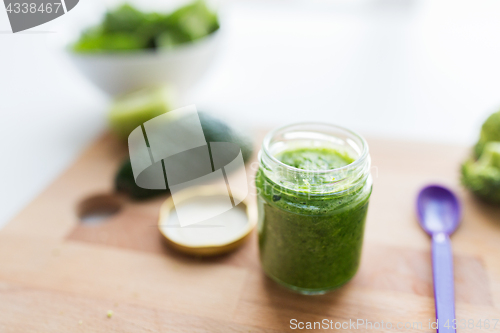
(119, 73)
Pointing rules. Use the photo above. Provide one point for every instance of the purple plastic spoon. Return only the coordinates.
(439, 213)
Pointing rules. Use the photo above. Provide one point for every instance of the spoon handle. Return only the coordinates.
(442, 266)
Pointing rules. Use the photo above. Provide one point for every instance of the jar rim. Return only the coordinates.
(361, 158)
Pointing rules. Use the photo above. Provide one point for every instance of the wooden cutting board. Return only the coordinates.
(59, 275)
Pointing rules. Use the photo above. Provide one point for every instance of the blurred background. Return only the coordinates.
(425, 70)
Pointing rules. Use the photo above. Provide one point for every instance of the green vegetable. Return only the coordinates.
(489, 132)
(132, 110)
(123, 19)
(194, 20)
(127, 28)
(125, 183)
(215, 130)
(482, 177)
(94, 39)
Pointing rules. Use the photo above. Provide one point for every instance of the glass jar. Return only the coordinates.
(311, 222)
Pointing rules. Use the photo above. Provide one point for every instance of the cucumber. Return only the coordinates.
(132, 110)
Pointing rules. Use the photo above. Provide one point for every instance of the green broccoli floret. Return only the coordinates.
(482, 177)
(123, 19)
(195, 20)
(187, 24)
(489, 132)
(94, 40)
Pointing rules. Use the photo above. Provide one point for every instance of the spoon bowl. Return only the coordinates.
(438, 210)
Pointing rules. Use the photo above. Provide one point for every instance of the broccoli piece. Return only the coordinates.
(192, 21)
(153, 26)
(95, 40)
(123, 19)
(489, 132)
(143, 27)
(482, 177)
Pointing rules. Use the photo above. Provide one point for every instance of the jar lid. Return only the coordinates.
(216, 235)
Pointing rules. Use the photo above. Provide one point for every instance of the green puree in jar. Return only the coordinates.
(308, 241)
(314, 158)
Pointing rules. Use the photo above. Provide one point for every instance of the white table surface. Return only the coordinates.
(404, 69)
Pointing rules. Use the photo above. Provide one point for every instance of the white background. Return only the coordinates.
(404, 69)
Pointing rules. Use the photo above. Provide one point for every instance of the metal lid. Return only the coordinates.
(217, 235)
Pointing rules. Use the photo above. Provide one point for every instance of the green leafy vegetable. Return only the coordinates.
(194, 20)
(489, 132)
(123, 19)
(127, 28)
(94, 39)
(482, 177)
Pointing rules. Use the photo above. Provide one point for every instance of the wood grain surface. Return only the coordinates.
(58, 274)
